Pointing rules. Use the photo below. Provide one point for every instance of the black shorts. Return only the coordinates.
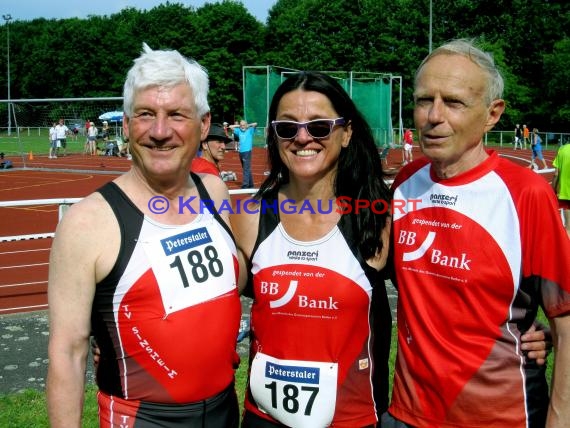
(222, 410)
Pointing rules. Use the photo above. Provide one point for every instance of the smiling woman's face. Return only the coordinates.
(305, 156)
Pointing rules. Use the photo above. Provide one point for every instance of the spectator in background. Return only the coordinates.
(213, 152)
(110, 147)
(536, 150)
(245, 131)
(235, 136)
(408, 146)
(53, 141)
(105, 131)
(526, 136)
(5, 164)
(92, 133)
(518, 136)
(62, 131)
(561, 182)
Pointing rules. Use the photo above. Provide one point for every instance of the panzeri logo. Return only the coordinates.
(443, 199)
(307, 256)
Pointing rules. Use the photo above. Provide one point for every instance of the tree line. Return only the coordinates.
(90, 57)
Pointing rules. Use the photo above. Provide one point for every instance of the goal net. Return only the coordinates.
(25, 123)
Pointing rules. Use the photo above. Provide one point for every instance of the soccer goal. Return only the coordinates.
(29, 121)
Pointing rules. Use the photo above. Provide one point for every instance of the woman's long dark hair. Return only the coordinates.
(359, 174)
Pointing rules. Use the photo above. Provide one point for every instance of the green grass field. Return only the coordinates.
(28, 408)
(36, 141)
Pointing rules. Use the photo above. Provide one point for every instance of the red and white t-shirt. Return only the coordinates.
(473, 260)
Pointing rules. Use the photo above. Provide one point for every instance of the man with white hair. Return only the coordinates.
(149, 272)
(470, 263)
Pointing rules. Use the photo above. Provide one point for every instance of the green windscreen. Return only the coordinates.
(373, 98)
(372, 94)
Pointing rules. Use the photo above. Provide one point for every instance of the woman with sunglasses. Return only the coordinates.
(320, 320)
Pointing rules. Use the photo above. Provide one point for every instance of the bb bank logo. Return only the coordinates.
(436, 256)
(273, 289)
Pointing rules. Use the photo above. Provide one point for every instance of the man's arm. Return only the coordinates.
(380, 259)
(559, 409)
(555, 180)
(245, 226)
(71, 287)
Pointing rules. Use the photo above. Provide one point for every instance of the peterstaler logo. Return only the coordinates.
(307, 256)
(184, 241)
(292, 373)
(443, 199)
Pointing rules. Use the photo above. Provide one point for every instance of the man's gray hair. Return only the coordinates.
(467, 48)
(166, 68)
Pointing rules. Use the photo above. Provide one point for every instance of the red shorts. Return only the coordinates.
(563, 204)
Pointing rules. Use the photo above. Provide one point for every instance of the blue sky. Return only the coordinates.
(26, 10)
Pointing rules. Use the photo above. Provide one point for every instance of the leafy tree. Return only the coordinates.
(557, 95)
(229, 38)
(90, 57)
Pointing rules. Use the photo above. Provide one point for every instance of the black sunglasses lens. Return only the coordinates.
(319, 128)
(286, 130)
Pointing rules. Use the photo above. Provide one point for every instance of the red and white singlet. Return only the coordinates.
(167, 316)
(312, 337)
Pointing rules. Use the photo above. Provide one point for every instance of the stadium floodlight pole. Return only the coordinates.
(8, 18)
(430, 23)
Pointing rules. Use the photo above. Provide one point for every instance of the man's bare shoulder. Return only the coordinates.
(87, 236)
(89, 216)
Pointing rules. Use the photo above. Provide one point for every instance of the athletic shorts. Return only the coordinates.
(537, 152)
(388, 421)
(222, 410)
(563, 204)
(63, 142)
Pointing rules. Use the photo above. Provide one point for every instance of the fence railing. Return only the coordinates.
(63, 205)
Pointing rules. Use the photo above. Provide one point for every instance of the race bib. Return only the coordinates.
(191, 267)
(296, 393)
